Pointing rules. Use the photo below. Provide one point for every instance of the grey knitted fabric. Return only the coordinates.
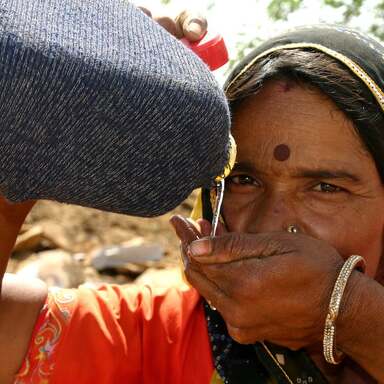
(101, 107)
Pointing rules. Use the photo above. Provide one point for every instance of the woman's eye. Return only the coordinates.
(327, 188)
(243, 180)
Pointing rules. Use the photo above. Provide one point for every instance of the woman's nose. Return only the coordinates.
(274, 213)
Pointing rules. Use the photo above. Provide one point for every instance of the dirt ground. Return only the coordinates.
(77, 230)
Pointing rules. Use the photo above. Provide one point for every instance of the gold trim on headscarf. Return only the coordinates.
(355, 68)
(197, 210)
(231, 160)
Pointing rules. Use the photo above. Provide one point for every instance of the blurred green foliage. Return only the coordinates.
(243, 46)
(281, 9)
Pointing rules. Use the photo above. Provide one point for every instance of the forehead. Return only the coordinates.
(298, 116)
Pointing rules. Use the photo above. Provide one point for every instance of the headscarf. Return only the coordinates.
(361, 54)
(364, 57)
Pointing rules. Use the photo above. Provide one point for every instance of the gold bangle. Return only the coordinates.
(331, 354)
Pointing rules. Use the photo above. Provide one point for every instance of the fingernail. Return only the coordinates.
(194, 28)
(200, 247)
(173, 219)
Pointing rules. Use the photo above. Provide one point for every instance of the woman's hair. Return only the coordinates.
(314, 68)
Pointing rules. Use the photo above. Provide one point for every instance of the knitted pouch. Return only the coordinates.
(101, 107)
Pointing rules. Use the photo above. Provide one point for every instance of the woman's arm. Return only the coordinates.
(12, 216)
(20, 300)
(360, 327)
(20, 304)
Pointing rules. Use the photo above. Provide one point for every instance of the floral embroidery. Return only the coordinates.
(38, 364)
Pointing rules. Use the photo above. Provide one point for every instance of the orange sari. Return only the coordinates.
(119, 334)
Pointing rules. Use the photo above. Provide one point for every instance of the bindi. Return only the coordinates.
(281, 152)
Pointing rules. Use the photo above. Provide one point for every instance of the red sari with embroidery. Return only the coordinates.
(119, 334)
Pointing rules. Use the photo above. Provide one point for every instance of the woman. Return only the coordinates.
(305, 194)
(308, 122)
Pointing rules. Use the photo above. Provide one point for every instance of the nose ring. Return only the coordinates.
(292, 229)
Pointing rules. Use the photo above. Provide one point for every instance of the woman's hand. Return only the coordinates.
(274, 286)
(188, 24)
(277, 287)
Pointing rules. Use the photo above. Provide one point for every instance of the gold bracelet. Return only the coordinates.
(331, 354)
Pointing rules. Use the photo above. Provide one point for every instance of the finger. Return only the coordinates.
(191, 25)
(168, 24)
(195, 225)
(205, 227)
(209, 290)
(224, 276)
(243, 335)
(146, 11)
(237, 279)
(184, 229)
(251, 336)
(238, 246)
(221, 229)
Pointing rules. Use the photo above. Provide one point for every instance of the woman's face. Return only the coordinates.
(301, 163)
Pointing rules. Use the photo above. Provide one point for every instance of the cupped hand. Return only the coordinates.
(188, 24)
(271, 286)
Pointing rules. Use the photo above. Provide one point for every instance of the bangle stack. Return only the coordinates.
(331, 354)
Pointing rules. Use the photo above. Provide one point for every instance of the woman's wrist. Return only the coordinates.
(360, 331)
(331, 353)
(350, 308)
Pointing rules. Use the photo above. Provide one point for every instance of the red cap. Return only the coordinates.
(210, 49)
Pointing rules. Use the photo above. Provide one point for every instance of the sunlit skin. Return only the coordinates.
(20, 301)
(329, 187)
(11, 219)
(272, 285)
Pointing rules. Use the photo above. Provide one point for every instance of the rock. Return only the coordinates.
(38, 237)
(55, 234)
(119, 256)
(57, 268)
(29, 240)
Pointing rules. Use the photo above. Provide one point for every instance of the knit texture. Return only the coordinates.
(101, 107)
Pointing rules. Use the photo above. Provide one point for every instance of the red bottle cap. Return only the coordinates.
(211, 49)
